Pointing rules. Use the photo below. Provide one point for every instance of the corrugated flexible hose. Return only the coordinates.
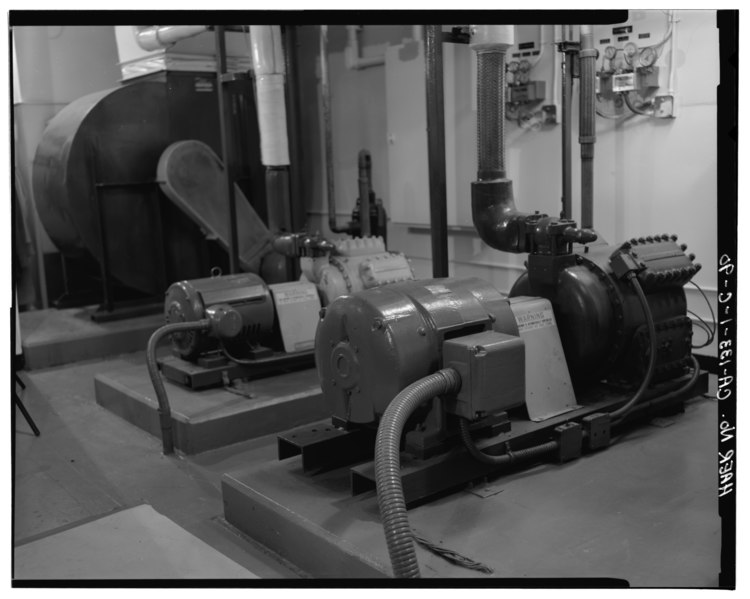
(165, 412)
(398, 534)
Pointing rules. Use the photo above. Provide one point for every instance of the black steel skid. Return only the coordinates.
(330, 447)
(221, 372)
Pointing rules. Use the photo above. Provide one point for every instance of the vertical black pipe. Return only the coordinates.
(221, 69)
(297, 207)
(587, 124)
(567, 95)
(436, 149)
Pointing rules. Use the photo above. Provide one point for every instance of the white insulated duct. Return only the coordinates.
(156, 37)
(269, 71)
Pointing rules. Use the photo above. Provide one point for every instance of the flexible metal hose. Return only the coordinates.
(398, 534)
(491, 115)
(506, 458)
(623, 410)
(669, 395)
(165, 412)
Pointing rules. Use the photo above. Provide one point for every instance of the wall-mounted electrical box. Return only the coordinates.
(628, 78)
(533, 91)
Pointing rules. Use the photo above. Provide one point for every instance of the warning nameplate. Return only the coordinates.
(536, 319)
(294, 295)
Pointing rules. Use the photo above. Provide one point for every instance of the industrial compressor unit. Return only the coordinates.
(467, 381)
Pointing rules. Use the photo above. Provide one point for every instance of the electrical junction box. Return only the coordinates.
(533, 91)
(624, 82)
(298, 309)
(549, 391)
(642, 79)
(491, 366)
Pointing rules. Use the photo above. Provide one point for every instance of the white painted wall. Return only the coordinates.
(651, 176)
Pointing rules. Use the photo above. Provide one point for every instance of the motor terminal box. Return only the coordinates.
(533, 91)
(492, 369)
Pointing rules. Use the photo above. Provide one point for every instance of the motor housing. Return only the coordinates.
(242, 303)
(372, 344)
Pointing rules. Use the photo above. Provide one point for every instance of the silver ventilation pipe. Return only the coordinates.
(156, 37)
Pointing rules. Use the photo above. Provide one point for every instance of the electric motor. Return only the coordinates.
(372, 344)
(239, 304)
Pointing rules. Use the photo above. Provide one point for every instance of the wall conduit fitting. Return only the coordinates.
(352, 59)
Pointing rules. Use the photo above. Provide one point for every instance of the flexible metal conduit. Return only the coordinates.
(491, 114)
(587, 124)
(398, 534)
(165, 412)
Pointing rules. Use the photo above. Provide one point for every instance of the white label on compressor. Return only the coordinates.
(535, 319)
(294, 295)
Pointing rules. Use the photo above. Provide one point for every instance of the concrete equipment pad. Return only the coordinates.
(214, 418)
(137, 543)
(644, 510)
(55, 337)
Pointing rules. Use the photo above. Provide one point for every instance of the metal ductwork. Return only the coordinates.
(156, 37)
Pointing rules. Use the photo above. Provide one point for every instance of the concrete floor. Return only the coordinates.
(88, 463)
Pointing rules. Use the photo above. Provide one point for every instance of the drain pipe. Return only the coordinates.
(365, 188)
(433, 44)
(156, 37)
(587, 123)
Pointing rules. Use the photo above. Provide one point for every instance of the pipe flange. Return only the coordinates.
(617, 304)
(344, 272)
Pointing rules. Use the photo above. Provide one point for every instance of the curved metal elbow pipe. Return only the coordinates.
(496, 219)
(156, 37)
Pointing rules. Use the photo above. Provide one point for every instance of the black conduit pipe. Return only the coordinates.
(587, 124)
(656, 401)
(567, 97)
(325, 92)
(165, 412)
(398, 534)
(507, 458)
(433, 42)
(623, 410)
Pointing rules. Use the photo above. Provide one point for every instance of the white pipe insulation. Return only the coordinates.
(156, 37)
(269, 72)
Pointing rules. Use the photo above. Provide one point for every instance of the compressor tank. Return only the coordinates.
(372, 344)
(601, 321)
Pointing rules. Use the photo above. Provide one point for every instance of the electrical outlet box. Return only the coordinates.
(533, 91)
(550, 114)
(664, 107)
(483, 359)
